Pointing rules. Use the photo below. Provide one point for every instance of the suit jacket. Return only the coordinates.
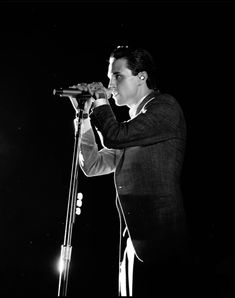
(146, 155)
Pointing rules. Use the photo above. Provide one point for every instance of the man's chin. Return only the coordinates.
(118, 100)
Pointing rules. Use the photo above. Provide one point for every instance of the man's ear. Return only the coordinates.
(143, 75)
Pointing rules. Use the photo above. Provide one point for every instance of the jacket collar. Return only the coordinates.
(149, 97)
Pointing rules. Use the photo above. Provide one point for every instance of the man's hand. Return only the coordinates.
(98, 90)
(82, 87)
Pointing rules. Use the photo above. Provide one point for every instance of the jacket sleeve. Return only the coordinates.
(159, 121)
(94, 162)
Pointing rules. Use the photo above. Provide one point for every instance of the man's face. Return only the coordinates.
(122, 82)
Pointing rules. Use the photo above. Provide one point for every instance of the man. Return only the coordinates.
(146, 155)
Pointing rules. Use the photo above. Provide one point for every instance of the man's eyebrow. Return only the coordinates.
(116, 72)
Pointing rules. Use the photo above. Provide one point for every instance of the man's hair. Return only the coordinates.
(138, 59)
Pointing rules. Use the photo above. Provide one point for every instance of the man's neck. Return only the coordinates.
(141, 98)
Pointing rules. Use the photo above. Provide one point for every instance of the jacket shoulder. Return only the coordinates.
(162, 99)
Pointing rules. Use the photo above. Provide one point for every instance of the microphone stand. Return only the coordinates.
(66, 248)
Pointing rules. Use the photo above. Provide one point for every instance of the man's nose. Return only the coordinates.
(111, 84)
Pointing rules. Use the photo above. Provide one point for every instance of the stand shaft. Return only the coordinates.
(66, 248)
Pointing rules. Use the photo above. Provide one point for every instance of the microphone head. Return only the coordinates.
(57, 92)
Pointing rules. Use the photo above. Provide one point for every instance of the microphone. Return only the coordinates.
(72, 92)
(78, 93)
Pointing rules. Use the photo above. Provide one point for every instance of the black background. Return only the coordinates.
(47, 45)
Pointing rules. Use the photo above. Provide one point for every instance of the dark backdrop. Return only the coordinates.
(47, 45)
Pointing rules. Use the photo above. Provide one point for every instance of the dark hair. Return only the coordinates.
(138, 59)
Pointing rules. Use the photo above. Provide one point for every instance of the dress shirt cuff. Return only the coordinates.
(86, 125)
(100, 102)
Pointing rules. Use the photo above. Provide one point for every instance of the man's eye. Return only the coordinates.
(118, 77)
